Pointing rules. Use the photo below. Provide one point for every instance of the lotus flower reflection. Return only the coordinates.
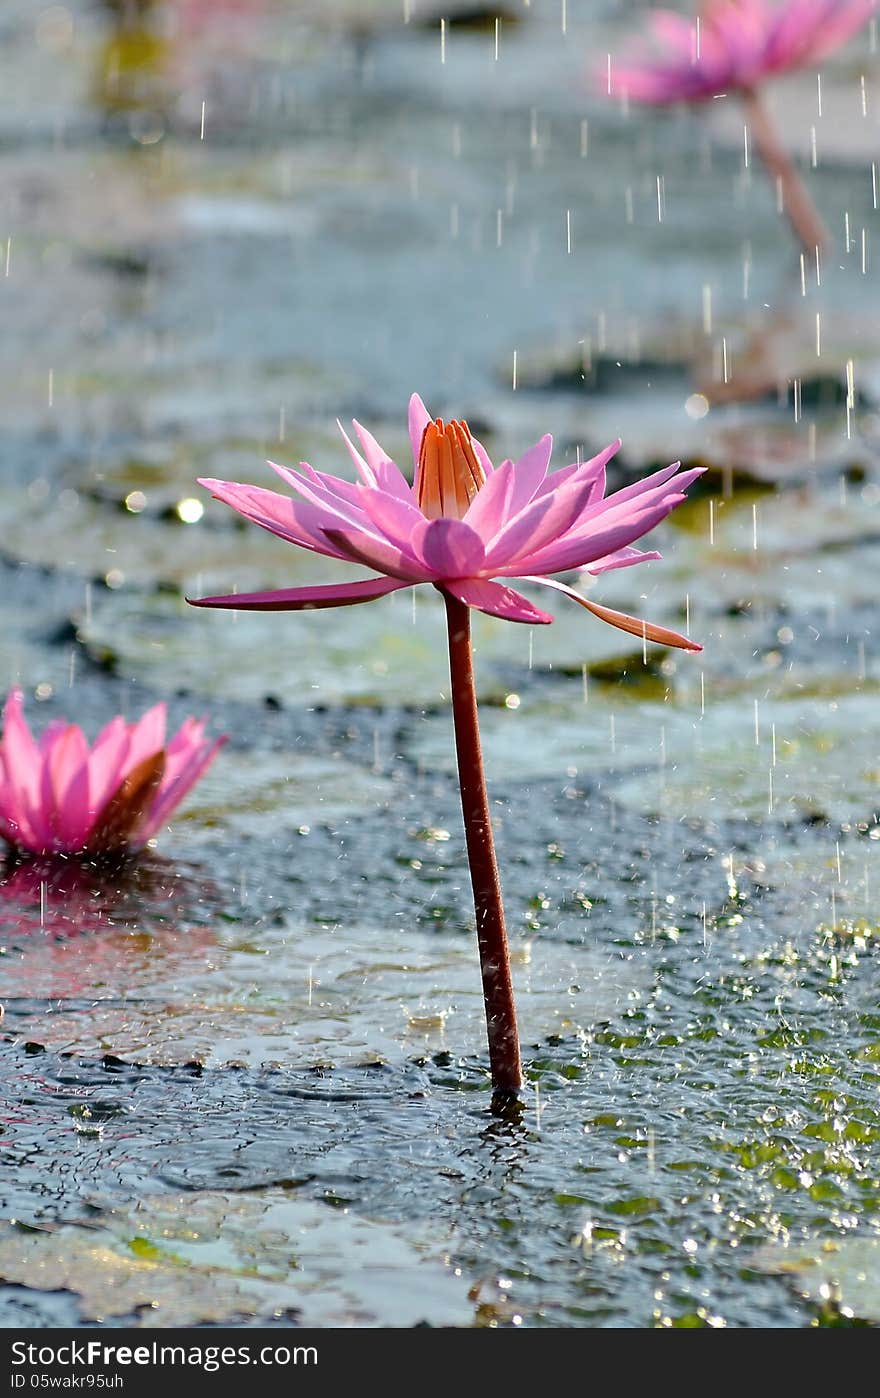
(462, 526)
(60, 796)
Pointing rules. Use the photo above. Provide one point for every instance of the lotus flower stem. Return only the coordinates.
(802, 213)
(501, 1028)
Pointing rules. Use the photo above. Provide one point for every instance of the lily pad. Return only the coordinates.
(197, 1258)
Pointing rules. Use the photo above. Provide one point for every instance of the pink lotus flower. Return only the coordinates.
(734, 45)
(59, 796)
(462, 524)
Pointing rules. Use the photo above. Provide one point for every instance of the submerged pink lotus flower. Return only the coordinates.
(59, 796)
(462, 524)
(734, 45)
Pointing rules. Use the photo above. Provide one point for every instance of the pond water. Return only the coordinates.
(245, 1079)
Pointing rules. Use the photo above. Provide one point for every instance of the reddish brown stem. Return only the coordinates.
(501, 1029)
(802, 213)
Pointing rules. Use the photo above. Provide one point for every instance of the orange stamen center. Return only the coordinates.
(449, 473)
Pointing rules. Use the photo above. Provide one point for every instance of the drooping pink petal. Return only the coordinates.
(645, 630)
(304, 599)
(496, 600)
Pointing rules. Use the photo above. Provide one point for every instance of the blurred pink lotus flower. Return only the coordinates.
(733, 45)
(59, 796)
(461, 525)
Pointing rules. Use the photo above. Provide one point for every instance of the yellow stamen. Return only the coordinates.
(449, 473)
